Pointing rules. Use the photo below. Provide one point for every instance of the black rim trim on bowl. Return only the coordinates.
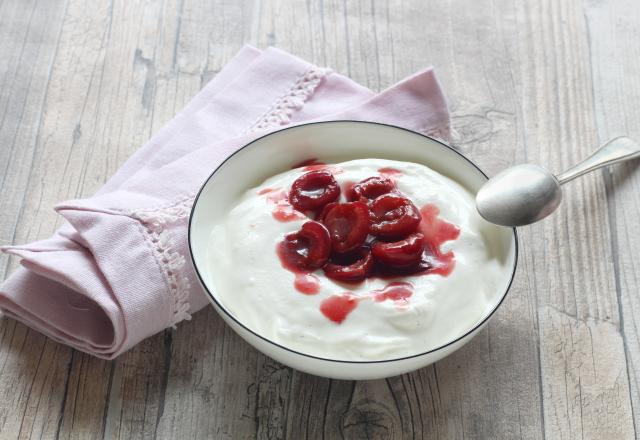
(473, 329)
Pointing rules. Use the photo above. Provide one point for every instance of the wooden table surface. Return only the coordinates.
(83, 84)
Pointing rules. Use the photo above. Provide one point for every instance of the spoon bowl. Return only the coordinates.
(519, 195)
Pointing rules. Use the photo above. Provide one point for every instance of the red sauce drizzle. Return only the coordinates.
(308, 162)
(314, 164)
(316, 167)
(390, 173)
(437, 231)
(282, 209)
(337, 307)
(333, 169)
(275, 195)
(286, 214)
(305, 282)
(398, 292)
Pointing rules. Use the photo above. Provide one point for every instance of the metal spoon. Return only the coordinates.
(524, 194)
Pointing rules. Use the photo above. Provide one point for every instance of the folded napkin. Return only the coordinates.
(118, 270)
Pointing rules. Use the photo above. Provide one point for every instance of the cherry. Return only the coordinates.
(400, 253)
(320, 217)
(350, 268)
(371, 188)
(425, 265)
(308, 248)
(348, 225)
(313, 190)
(394, 216)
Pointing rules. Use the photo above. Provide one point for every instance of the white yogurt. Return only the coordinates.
(252, 284)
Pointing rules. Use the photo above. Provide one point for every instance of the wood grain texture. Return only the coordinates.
(614, 34)
(82, 87)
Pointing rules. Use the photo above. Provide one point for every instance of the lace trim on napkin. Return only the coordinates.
(170, 261)
(294, 99)
(155, 220)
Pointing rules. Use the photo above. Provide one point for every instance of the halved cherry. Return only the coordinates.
(321, 216)
(401, 253)
(308, 248)
(371, 188)
(348, 225)
(350, 268)
(424, 264)
(313, 190)
(394, 216)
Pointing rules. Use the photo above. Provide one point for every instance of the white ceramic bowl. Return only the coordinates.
(331, 142)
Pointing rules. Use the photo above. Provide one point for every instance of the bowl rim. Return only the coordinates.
(220, 307)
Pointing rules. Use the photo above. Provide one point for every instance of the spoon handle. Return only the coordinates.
(614, 151)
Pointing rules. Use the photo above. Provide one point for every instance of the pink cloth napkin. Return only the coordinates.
(118, 270)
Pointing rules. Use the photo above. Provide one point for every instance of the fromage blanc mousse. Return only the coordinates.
(363, 260)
